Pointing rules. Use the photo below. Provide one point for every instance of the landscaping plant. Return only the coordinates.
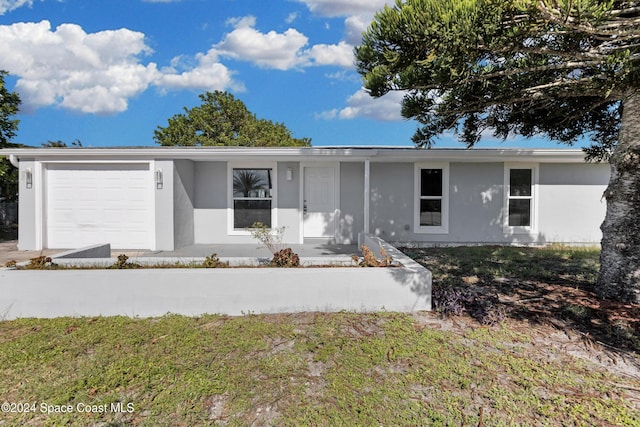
(272, 239)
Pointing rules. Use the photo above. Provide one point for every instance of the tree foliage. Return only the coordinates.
(221, 120)
(556, 68)
(9, 103)
(61, 144)
(562, 69)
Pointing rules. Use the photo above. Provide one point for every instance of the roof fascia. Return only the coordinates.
(296, 154)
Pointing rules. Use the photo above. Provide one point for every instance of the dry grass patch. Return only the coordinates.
(305, 369)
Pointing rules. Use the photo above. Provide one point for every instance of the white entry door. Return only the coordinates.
(319, 201)
(99, 203)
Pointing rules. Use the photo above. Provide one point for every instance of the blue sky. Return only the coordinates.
(109, 72)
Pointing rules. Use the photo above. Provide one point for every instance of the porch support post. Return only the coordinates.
(367, 191)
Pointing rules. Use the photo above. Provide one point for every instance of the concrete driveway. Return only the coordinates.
(9, 251)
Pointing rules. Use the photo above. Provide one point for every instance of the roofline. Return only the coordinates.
(374, 154)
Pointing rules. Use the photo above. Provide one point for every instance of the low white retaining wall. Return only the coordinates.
(233, 291)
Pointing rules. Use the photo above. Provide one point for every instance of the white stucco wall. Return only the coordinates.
(572, 206)
(210, 204)
(164, 213)
(27, 207)
(570, 209)
(192, 206)
(351, 218)
(183, 200)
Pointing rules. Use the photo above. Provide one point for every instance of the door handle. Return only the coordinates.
(304, 207)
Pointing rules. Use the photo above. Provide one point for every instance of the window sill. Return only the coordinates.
(431, 230)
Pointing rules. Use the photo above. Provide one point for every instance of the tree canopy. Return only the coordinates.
(9, 103)
(562, 69)
(220, 120)
(556, 68)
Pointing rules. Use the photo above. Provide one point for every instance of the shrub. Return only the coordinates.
(122, 263)
(271, 238)
(41, 263)
(369, 259)
(285, 258)
(214, 262)
(455, 301)
(450, 301)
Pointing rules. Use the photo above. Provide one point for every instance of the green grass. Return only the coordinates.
(291, 370)
(555, 264)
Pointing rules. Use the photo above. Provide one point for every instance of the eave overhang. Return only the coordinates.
(293, 154)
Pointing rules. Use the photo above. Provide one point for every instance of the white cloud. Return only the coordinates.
(344, 76)
(100, 72)
(354, 26)
(281, 51)
(9, 5)
(291, 18)
(325, 54)
(97, 72)
(327, 115)
(361, 104)
(207, 73)
(91, 73)
(333, 8)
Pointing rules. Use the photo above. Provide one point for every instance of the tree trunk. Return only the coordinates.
(619, 277)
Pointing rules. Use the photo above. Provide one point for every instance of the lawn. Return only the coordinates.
(505, 364)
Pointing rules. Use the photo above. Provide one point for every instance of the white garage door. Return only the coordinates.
(98, 203)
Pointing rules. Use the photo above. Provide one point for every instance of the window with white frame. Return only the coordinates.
(520, 200)
(432, 201)
(252, 197)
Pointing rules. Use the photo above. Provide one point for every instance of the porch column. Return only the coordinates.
(367, 191)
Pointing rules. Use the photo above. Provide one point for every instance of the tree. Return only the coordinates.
(9, 103)
(245, 181)
(563, 69)
(61, 144)
(224, 120)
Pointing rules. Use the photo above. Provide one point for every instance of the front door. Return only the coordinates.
(319, 201)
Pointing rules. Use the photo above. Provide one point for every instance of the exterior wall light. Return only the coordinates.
(289, 174)
(159, 182)
(28, 178)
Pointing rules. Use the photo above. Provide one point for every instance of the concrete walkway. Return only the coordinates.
(9, 252)
(253, 250)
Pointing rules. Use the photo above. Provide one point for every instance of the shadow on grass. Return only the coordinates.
(552, 285)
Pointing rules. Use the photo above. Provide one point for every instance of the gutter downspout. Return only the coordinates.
(14, 161)
(367, 194)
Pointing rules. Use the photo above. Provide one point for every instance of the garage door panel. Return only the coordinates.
(90, 204)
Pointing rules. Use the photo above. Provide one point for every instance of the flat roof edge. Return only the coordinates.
(355, 153)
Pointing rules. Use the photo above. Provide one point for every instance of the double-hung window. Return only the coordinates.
(252, 197)
(431, 185)
(520, 198)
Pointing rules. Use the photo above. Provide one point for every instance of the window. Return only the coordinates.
(252, 197)
(520, 189)
(431, 185)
